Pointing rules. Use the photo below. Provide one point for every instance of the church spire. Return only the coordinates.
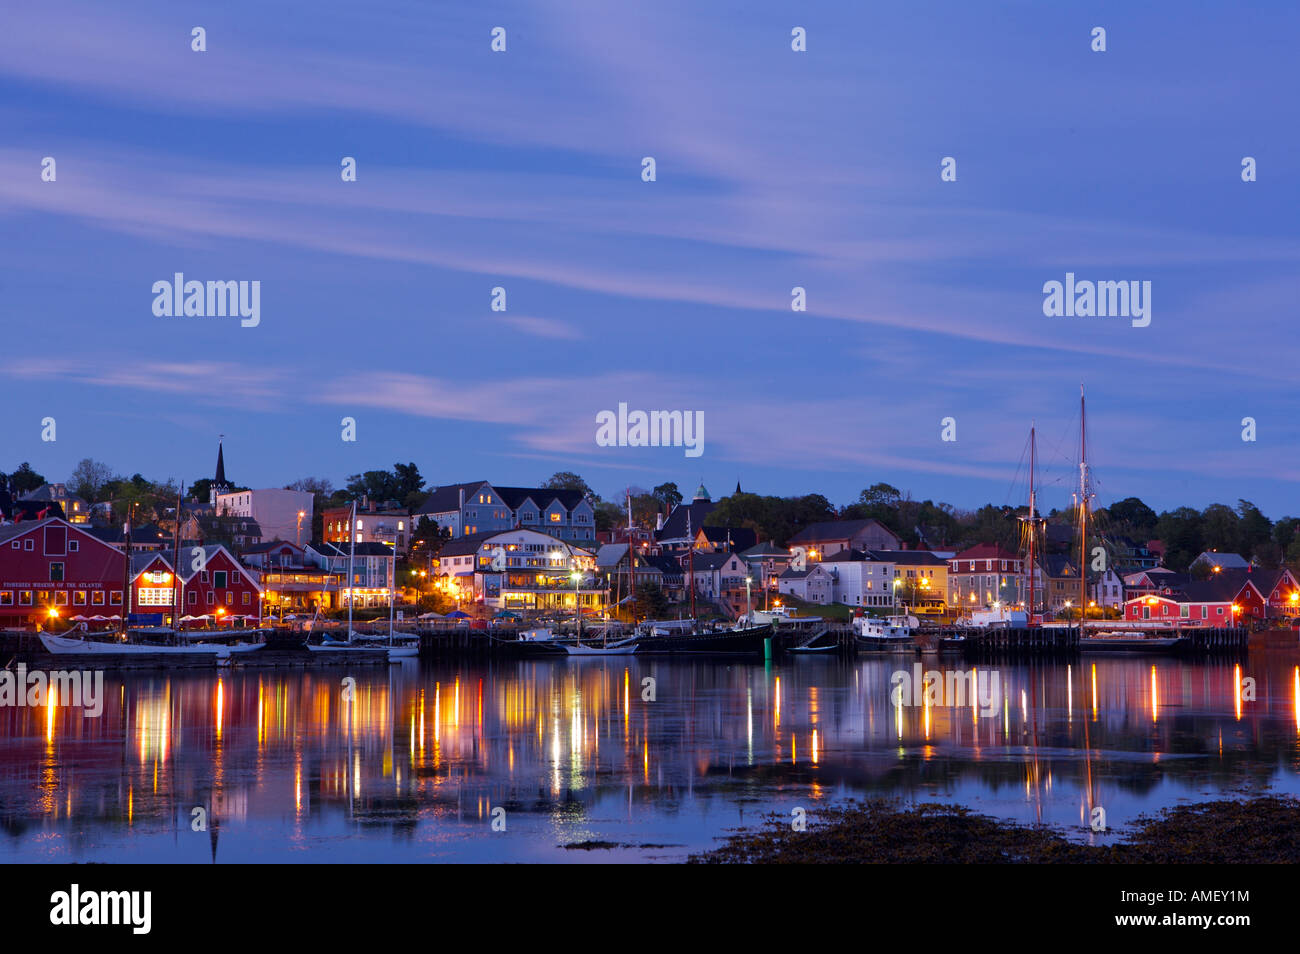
(219, 483)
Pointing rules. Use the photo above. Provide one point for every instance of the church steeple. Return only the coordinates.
(219, 483)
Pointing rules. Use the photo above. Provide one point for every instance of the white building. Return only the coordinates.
(282, 514)
(521, 569)
(860, 580)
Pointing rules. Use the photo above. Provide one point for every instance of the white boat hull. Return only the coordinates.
(65, 646)
(600, 650)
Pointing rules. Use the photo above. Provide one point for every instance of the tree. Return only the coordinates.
(668, 495)
(1221, 528)
(1255, 528)
(1180, 531)
(378, 485)
(427, 540)
(609, 515)
(410, 485)
(316, 486)
(89, 477)
(201, 489)
(567, 480)
(24, 480)
(649, 601)
(1133, 518)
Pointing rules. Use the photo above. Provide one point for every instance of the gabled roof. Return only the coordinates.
(447, 499)
(828, 531)
(666, 565)
(712, 561)
(47, 492)
(738, 538)
(334, 551)
(1058, 565)
(674, 527)
(210, 553)
(986, 551)
(1229, 561)
(273, 545)
(765, 550)
(909, 557)
(611, 554)
(141, 562)
(514, 497)
(850, 556)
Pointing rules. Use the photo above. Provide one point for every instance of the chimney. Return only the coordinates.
(659, 521)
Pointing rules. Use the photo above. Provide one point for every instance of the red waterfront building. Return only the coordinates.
(51, 570)
(212, 584)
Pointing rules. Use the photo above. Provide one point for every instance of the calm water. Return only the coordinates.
(413, 767)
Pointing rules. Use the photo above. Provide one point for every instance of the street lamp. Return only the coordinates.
(749, 613)
(1068, 605)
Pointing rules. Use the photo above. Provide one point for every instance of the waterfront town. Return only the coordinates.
(104, 551)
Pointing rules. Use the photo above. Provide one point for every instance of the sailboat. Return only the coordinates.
(355, 641)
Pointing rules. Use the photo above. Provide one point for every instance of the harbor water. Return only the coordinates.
(620, 758)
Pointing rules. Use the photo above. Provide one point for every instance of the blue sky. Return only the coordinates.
(775, 169)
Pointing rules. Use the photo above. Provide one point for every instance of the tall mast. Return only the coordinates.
(352, 546)
(1083, 511)
(176, 562)
(1033, 451)
(126, 575)
(690, 543)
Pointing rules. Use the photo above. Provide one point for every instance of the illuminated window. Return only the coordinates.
(97, 598)
(155, 596)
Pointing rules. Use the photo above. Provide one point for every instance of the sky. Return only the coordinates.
(522, 170)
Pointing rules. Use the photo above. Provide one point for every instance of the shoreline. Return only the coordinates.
(1261, 829)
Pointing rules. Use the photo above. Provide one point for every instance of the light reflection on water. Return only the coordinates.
(410, 764)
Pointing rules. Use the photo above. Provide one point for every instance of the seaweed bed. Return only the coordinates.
(1264, 829)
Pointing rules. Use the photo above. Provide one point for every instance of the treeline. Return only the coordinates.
(1183, 531)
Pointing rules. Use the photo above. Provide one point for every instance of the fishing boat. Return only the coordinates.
(888, 632)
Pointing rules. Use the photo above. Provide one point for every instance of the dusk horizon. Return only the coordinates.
(522, 170)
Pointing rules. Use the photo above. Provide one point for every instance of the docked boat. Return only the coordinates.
(1122, 642)
(998, 617)
(623, 647)
(67, 646)
(748, 641)
(780, 615)
(888, 632)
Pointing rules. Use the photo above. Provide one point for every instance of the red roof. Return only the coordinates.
(986, 551)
